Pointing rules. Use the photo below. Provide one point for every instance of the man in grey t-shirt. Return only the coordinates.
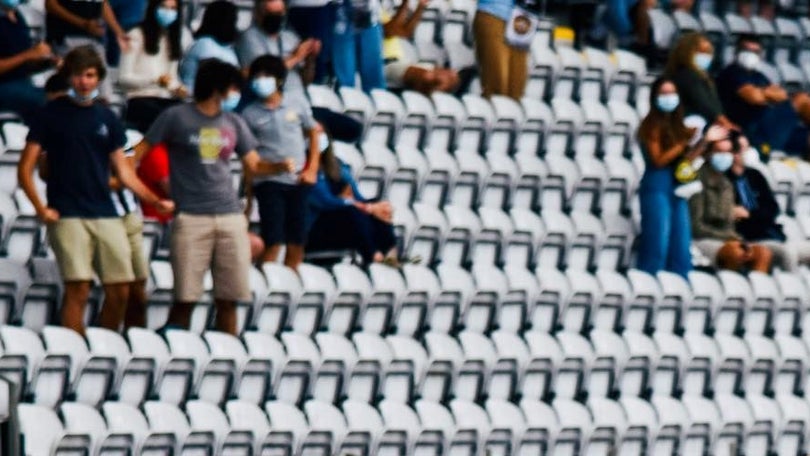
(281, 126)
(201, 138)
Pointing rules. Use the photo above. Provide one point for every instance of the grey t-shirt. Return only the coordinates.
(200, 149)
(254, 42)
(280, 132)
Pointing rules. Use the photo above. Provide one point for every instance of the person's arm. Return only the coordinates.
(753, 95)
(310, 175)
(25, 178)
(662, 157)
(321, 196)
(775, 94)
(253, 164)
(108, 15)
(89, 25)
(413, 21)
(126, 174)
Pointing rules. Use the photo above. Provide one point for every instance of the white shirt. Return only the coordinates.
(140, 71)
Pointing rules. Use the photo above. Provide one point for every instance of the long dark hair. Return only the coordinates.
(329, 161)
(219, 22)
(668, 126)
(152, 31)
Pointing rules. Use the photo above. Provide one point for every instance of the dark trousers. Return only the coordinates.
(340, 126)
(781, 129)
(142, 111)
(350, 228)
(316, 22)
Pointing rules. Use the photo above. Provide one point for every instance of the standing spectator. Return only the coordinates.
(402, 73)
(84, 140)
(214, 40)
(771, 119)
(630, 21)
(665, 231)
(148, 69)
(19, 56)
(339, 217)
(129, 14)
(72, 23)
(688, 66)
(713, 213)
(209, 229)
(357, 44)
(280, 126)
(316, 19)
(504, 68)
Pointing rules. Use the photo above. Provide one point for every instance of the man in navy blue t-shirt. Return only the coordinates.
(84, 141)
(770, 118)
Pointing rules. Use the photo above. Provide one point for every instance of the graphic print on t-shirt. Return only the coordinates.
(214, 144)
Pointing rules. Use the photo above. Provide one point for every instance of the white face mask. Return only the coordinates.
(751, 157)
(703, 60)
(748, 60)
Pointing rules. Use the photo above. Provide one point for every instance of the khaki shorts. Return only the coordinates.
(216, 242)
(709, 248)
(134, 226)
(83, 246)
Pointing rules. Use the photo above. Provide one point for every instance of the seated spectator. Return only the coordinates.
(148, 71)
(756, 211)
(765, 8)
(281, 125)
(688, 66)
(214, 40)
(357, 44)
(341, 218)
(771, 119)
(404, 73)
(19, 57)
(713, 213)
(315, 19)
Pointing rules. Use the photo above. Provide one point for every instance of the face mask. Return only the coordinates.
(82, 99)
(751, 157)
(703, 60)
(264, 86)
(722, 161)
(748, 60)
(165, 16)
(271, 23)
(9, 4)
(231, 101)
(668, 102)
(323, 142)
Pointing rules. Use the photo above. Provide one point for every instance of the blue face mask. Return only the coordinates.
(323, 142)
(165, 16)
(82, 99)
(722, 161)
(703, 60)
(9, 4)
(231, 101)
(668, 102)
(264, 86)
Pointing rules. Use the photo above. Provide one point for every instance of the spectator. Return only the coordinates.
(315, 19)
(19, 57)
(504, 68)
(688, 66)
(266, 37)
(756, 210)
(280, 126)
(214, 40)
(404, 73)
(765, 8)
(84, 140)
(357, 44)
(148, 71)
(340, 217)
(209, 229)
(129, 13)
(72, 23)
(770, 118)
(665, 140)
(713, 214)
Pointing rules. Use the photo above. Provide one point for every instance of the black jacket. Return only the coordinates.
(761, 225)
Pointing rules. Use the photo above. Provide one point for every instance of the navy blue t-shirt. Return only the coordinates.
(78, 141)
(729, 82)
(14, 38)
(57, 29)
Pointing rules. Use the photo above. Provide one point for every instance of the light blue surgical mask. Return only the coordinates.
(9, 4)
(264, 86)
(230, 102)
(165, 16)
(323, 142)
(82, 99)
(703, 60)
(722, 161)
(668, 102)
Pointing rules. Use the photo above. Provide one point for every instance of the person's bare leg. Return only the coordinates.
(294, 256)
(256, 247)
(180, 314)
(801, 103)
(74, 301)
(419, 79)
(731, 256)
(761, 258)
(116, 298)
(136, 307)
(447, 80)
(271, 253)
(226, 316)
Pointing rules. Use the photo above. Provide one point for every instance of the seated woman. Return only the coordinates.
(149, 67)
(714, 212)
(340, 218)
(214, 40)
(402, 72)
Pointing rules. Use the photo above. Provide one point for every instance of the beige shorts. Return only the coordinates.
(134, 226)
(709, 248)
(83, 246)
(216, 242)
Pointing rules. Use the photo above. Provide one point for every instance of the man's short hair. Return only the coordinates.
(747, 38)
(269, 65)
(215, 76)
(82, 58)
